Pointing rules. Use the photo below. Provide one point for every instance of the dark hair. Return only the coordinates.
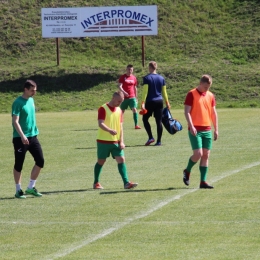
(129, 66)
(29, 83)
(206, 79)
(153, 65)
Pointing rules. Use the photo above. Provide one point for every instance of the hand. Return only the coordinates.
(25, 140)
(193, 130)
(143, 110)
(215, 135)
(112, 132)
(121, 145)
(168, 105)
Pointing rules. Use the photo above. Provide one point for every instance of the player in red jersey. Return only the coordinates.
(127, 83)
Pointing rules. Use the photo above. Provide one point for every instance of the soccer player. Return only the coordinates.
(154, 91)
(25, 139)
(200, 111)
(110, 139)
(127, 83)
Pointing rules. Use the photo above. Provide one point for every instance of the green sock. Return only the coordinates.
(135, 116)
(97, 172)
(190, 165)
(203, 173)
(123, 172)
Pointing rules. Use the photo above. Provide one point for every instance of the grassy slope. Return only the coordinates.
(195, 37)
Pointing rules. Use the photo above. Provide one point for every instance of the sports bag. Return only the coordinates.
(171, 125)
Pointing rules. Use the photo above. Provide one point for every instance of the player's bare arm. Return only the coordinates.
(215, 122)
(18, 128)
(121, 140)
(120, 86)
(104, 127)
(136, 93)
(187, 110)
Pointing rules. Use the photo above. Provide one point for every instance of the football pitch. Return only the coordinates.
(160, 219)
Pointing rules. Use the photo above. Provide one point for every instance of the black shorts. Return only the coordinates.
(20, 149)
(154, 108)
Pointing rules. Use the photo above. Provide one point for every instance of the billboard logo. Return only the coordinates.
(117, 21)
(60, 17)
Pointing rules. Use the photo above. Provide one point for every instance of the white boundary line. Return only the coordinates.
(163, 203)
(144, 222)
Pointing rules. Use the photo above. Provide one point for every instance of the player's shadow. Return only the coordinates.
(8, 198)
(84, 130)
(143, 145)
(90, 148)
(49, 193)
(135, 145)
(12, 198)
(64, 191)
(127, 146)
(85, 148)
(101, 193)
(144, 190)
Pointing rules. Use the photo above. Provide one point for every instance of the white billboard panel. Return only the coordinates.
(99, 21)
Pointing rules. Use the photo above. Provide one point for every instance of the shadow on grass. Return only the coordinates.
(13, 198)
(147, 190)
(64, 191)
(139, 145)
(47, 193)
(85, 148)
(60, 82)
(101, 193)
(88, 148)
(127, 146)
(85, 130)
(8, 198)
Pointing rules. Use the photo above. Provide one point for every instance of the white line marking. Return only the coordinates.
(144, 222)
(163, 203)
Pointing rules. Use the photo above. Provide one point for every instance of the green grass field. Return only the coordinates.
(160, 219)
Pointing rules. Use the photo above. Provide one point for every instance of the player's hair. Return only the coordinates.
(206, 79)
(129, 66)
(29, 83)
(153, 65)
(118, 93)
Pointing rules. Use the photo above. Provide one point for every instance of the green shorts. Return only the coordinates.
(201, 140)
(129, 102)
(104, 150)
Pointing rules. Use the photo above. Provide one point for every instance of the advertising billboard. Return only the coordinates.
(99, 21)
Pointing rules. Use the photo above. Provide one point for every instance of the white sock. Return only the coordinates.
(31, 184)
(18, 186)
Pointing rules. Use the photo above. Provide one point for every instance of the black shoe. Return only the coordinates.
(20, 195)
(186, 178)
(204, 185)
